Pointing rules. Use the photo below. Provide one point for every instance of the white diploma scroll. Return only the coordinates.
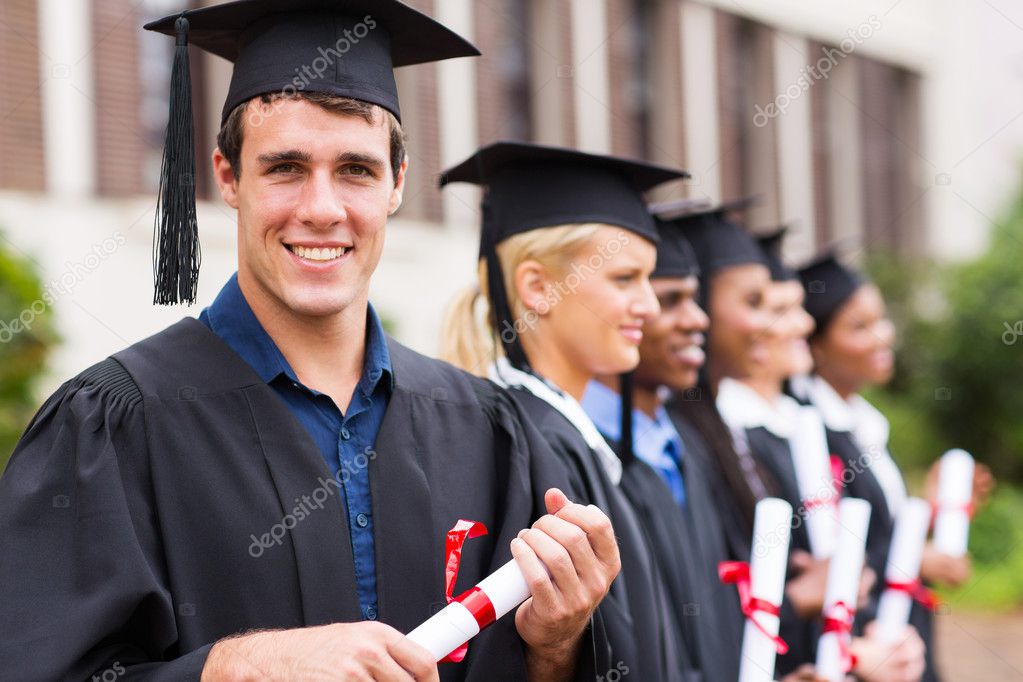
(843, 584)
(955, 492)
(772, 526)
(811, 459)
(903, 567)
(455, 625)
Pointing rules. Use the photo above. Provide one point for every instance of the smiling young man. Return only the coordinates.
(265, 492)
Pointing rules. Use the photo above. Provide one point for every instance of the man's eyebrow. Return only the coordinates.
(370, 160)
(285, 156)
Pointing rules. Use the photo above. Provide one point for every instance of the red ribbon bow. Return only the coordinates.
(965, 507)
(737, 573)
(917, 591)
(473, 599)
(839, 619)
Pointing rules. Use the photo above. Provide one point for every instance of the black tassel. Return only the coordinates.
(625, 452)
(176, 232)
(500, 311)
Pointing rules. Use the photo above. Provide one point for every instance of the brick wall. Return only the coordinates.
(120, 146)
(22, 164)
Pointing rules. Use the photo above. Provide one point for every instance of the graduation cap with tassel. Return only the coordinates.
(358, 43)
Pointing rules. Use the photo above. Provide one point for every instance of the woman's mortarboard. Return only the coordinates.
(771, 245)
(828, 284)
(529, 186)
(347, 48)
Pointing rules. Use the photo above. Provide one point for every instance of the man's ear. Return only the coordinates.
(399, 188)
(227, 183)
(531, 285)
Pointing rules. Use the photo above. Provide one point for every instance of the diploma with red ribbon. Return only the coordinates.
(902, 584)
(447, 633)
(761, 583)
(834, 658)
(818, 490)
(954, 507)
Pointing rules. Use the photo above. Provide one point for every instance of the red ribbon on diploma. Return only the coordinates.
(737, 573)
(839, 620)
(938, 507)
(474, 599)
(917, 591)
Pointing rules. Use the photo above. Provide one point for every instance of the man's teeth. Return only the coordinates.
(319, 254)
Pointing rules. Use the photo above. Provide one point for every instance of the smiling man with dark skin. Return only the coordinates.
(264, 492)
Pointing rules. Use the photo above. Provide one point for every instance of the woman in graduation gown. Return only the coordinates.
(852, 349)
(566, 250)
(745, 430)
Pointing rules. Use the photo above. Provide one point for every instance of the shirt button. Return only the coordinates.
(362, 520)
(371, 612)
(344, 433)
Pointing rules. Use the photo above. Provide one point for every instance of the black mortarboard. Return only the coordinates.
(717, 241)
(675, 255)
(771, 243)
(528, 186)
(828, 284)
(341, 47)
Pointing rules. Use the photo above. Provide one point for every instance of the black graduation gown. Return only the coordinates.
(688, 545)
(862, 483)
(132, 509)
(775, 455)
(642, 626)
(800, 635)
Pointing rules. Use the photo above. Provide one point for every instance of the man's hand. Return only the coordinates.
(943, 569)
(900, 661)
(983, 484)
(577, 544)
(341, 651)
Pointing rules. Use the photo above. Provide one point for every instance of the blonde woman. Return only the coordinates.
(567, 249)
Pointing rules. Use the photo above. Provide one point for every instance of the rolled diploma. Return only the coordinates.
(811, 459)
(453, 626)
(772, 526)
(903, 566)
(843, 580)
(955, 491)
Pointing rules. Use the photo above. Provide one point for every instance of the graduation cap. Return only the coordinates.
(675, 255)
(717, 241)
(528, 186)
(828, 284)
(771, 243)
(347, 48)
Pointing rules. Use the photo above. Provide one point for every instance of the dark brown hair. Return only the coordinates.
(231, 134)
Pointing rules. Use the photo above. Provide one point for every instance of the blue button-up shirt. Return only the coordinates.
(655, 441)
(345, 440)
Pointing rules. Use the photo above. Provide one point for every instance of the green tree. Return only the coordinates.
(26, 336)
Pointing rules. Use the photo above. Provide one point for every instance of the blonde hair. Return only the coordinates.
(468, 339)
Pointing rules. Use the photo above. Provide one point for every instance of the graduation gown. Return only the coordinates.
(864, 485)
(641, 618)
(163, 499)
(773, 456)
(688, 544)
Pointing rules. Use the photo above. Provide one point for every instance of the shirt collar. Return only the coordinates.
(651, 436)
(743, 408)
(231, 318)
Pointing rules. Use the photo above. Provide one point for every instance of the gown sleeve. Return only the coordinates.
(533, 468)
(83, 580)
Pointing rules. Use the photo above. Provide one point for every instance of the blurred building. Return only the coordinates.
(893, 125)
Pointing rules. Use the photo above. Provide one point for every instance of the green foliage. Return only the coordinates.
(23, 351)
(960, 358)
